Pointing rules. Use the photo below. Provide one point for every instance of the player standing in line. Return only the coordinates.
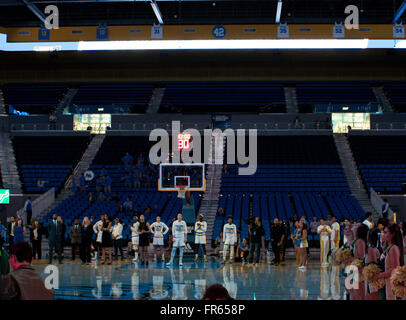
(335, 235)
(179, 235)
(159, 229)
(135, 238)
(200, 237)
(229, 239)
(324, 231)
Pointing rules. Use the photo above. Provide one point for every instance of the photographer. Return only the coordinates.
(257, 233)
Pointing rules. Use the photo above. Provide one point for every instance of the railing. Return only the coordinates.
(40, 204)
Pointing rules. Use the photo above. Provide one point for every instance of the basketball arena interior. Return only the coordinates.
(288, 111)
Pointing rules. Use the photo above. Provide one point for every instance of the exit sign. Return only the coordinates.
(4, 196)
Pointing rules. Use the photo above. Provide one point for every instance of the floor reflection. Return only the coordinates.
(129, 282)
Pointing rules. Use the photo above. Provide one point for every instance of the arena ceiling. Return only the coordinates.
(18, 13)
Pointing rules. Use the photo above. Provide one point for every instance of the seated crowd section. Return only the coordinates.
(381, 161)
(299, 175)
(133, 187)
(45, 162)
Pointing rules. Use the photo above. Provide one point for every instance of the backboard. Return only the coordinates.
(182, 176)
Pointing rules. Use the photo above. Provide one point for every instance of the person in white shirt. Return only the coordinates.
(159, 229)
(335, 233)
(324, 231)
(117, 236)
(200, 237)
(179, 238)
(368, 220)
(229, 239)
(135, 238)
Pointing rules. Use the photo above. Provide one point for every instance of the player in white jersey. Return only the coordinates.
(324, 231)
(229, 239)
(159, 229)
(335, 233)
(179, 235)
(200, 237)
(135, 238)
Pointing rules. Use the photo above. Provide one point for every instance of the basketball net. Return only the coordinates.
(181, 192)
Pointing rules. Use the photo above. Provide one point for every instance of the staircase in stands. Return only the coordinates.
(352, 174)
(66, 101)
(83, 165)
(211, 196)
(291, 100)
(382, 99)
(8, 165)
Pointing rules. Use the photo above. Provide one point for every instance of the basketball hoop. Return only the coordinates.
(181, 191)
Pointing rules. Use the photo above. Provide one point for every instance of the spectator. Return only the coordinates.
(101, 196)
(218, 244)
(329, 222)
(19, 231)
(216, 292)
(75, 234)
(297, 123)
(82, 183)
(385, 208)
(52, 120)
(136, 178)
(36, 239)
(220, 212)
(127, 204)
(242, 251)
(23, 283)
(28, 210)
(115, 198)
(99, 183)
(103, 172)
(127, 160)
(90, 197)
(41, 184)
(107, 184)
(117, 235)
(87, 235)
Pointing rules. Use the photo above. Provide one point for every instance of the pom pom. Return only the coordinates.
(369, 272)
(360, 265)
(398, 282)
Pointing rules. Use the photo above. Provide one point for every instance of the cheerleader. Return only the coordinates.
(303, 246)
(135, 237)
(179, 234)
(335, 233)
(348, 233)
(372, 256)
(359, 252)
(296, 242)
(200, 237)
(393, 256)
(159, 229)
(324, 231)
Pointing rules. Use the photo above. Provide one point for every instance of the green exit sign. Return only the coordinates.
(4, 196)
